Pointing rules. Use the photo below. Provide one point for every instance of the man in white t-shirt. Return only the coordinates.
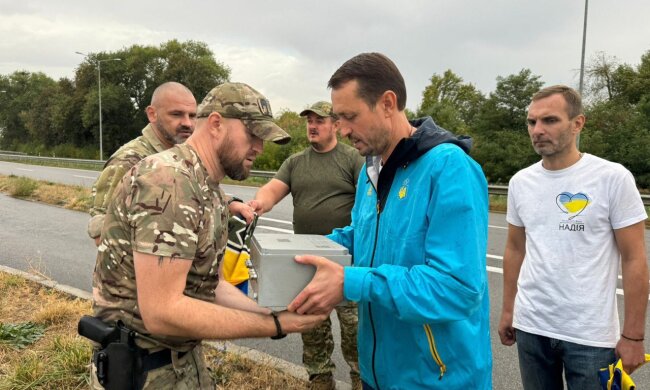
(572, 217)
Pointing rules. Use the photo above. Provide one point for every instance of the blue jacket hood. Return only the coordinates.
(427, 136)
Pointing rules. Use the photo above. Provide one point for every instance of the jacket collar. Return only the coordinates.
(150, 135)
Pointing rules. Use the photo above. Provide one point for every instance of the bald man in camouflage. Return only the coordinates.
(163, 239)
(172, 116)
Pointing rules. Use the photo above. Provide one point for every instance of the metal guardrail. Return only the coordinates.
(12, 152)
(95, 165)
(98, 164)
(497, 190)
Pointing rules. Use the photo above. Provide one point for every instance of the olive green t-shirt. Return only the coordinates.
(322, 186)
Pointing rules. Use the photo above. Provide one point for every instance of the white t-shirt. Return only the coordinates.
(567, 283)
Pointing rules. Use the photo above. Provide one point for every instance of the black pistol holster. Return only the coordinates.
(119, 362)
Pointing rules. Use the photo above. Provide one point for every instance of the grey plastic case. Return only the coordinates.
(275, 277)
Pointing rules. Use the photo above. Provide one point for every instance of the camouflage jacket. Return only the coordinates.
(116, 166)
(167, 205)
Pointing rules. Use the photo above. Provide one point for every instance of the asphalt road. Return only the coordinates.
(53, 241)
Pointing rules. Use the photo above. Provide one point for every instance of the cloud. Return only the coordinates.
(289, 49)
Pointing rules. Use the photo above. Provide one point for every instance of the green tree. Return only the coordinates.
(617, 132)
(600, 77)
(451, 103)
(38, 118)
(274, 154)
(632, 84)
(502, 145)
(117, 114)
(128, 84)
(192, 63)
(618, 118)
(66, 116)
(23, 92)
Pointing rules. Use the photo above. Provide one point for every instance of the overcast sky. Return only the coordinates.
(289, 49)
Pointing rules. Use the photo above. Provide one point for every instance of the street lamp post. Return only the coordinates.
(584, 40)
(99, 91)
(582, 60)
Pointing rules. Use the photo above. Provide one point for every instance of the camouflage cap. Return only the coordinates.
(322, 109)
(241, 101)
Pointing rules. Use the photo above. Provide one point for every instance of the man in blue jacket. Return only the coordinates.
(418, 237)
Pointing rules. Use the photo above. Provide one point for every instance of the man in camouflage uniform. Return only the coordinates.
(321, 202)
(164, 236)
(172, 116)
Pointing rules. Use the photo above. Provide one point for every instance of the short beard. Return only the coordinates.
(167, 135)
(233, 165)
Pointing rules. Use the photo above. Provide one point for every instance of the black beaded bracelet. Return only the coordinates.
(279, 335)
(631, 339)
(234, 199)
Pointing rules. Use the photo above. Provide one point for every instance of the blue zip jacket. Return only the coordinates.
(418, 238)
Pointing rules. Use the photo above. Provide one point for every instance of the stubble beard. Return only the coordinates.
(555, 148)
(232, 164)
(377, 143)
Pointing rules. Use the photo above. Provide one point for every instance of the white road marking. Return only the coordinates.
(275, 220)
(23, 169)
(84, 177)
(497, 227)
(494, 269)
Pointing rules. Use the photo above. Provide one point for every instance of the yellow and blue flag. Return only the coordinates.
(235, 270)
(614, 376)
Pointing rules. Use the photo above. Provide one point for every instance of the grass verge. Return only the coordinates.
(59, 358)
(66, 196)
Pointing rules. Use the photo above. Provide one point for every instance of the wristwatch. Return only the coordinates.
(279, 335)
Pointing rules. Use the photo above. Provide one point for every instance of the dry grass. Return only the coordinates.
(60, 359)
(66, 196)
(19, 187)
(498, 203)
(69, 197)
(232, 371)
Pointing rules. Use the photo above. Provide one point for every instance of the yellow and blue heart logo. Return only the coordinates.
(572, 204)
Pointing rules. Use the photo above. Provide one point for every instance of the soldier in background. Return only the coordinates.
(172, 116)
(158, 267)
(322, 181)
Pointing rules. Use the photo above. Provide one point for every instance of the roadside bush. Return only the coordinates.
(21, 187)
